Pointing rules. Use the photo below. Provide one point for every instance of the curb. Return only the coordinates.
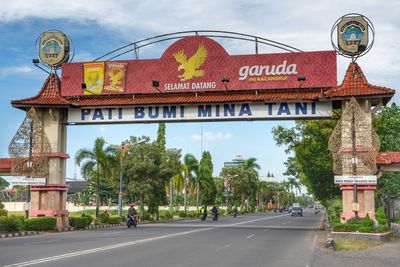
(101, 226)
(17, 234)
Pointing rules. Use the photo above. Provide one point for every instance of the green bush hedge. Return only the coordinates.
(10, 224)
(79, 223)
(182, 214)
(103, 217)
(41, 224)
(114, 220)
(3, 213)
(88, 216)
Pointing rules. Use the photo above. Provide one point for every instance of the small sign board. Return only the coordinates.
(29, 181)
(364, 179)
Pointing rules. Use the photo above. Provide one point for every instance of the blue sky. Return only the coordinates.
(97, 27)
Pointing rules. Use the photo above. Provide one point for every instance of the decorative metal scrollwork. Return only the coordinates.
(30, 148)
(354, 143)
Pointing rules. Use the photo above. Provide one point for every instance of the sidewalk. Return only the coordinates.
(382, 256)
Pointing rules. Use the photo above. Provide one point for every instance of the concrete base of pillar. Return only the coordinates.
(49, 201)
(366, 201)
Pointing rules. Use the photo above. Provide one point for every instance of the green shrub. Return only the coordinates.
(1, 205)
(354, 221)
(3, 213)
(366, 229)
(123, 218)
(97, 221)
(333, 209)
(88, 216)
(382, 228)
(10, 224)
(146, 216)
(168, 215)
(345, 227)
(79, 223)
(114, 220)
(182, 214)
(41, 224)
(380, 216)
(367, 222)
(103, 217)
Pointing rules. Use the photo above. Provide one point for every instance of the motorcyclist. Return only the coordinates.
(203, 213)
(234, 211)
(316, 210)
(132, 212)
(214, 211)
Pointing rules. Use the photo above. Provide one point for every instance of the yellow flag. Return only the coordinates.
(94, 78)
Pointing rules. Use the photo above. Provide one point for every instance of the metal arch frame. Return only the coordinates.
(207, 33)
(369, 46)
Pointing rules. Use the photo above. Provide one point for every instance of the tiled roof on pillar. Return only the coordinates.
(5, 163)
(387, 158)
(49, 95)
(355, 84)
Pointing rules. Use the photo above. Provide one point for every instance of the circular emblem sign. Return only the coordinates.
(53, 48)
(353, 35)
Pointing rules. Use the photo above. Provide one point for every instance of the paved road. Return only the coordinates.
(258, 240)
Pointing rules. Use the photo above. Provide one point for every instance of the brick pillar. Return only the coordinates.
(50, 199)
(365, 193)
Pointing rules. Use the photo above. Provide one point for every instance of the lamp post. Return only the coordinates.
(123, 148)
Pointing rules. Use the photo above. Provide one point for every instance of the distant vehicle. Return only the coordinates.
(297, 211)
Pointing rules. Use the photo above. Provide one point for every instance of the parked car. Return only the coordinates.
(297, 211)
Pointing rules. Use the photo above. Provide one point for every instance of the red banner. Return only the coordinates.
(200, 64)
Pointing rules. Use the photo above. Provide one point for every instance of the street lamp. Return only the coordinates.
(123, 148)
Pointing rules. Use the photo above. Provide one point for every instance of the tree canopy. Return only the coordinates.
(310, 160)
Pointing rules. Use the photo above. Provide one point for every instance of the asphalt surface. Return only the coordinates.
(271, 239)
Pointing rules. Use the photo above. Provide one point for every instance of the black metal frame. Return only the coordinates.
(207, 33)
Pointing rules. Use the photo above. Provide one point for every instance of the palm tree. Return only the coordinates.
(98, 164)
(294, 184)
(250, 168)
(193, 174)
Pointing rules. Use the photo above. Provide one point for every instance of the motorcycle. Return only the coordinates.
(316, 211)
(131, 221)
(215, 217)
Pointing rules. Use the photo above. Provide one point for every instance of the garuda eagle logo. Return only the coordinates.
(191, 66)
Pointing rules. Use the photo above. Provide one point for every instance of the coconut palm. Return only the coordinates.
(98, 164)
(193, 174)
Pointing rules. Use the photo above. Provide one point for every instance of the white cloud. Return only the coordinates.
(23, 69)
(210, 136)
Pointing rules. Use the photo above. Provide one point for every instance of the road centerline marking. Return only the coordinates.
(250, 236)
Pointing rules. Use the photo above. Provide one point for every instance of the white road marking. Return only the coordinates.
(223, 247)
(125, 244)
(250, 236)
(94, 250)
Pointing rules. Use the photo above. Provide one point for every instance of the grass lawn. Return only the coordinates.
(350, 244)
(16, 213)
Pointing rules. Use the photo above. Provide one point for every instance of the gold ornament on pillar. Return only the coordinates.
(354, 143)
(30, 148)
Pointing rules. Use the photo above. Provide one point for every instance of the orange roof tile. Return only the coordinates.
(355, 84)
(5, 163)
(48, 95)
(183, 98)
(386, 158)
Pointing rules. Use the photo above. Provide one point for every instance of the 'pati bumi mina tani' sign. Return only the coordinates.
(198, 64)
